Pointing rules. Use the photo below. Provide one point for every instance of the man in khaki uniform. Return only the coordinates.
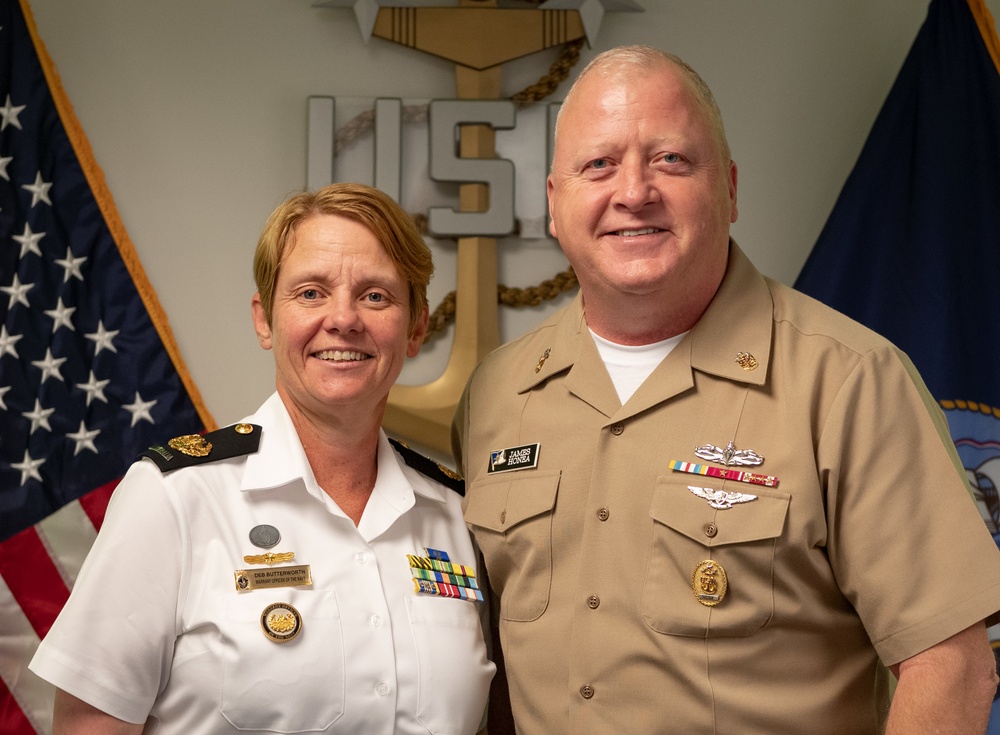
(709, 504)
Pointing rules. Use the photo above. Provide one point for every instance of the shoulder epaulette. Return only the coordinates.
(427, 466)
(195, 449)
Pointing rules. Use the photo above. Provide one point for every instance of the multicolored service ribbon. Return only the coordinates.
(723, 473)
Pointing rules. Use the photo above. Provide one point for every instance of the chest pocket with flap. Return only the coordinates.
(685, 531)
(511, 516)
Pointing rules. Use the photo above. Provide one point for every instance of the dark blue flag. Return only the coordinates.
(89, 372)
(912, 247)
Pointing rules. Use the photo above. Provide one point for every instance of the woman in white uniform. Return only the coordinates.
(295, 572)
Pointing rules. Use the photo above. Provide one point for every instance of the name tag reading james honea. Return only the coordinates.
(516, 458)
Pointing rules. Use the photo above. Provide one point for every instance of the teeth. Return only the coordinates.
(635, 233)
(341, 355)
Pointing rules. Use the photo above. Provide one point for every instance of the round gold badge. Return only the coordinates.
(193, 445)
(244, 428)
(709, 583)
(281, 622)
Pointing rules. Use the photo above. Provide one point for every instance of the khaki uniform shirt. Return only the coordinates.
(868, 547)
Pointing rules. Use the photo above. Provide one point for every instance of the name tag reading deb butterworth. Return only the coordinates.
(516, 458)
(251, 579)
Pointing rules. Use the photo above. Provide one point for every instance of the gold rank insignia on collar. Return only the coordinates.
(542, 359)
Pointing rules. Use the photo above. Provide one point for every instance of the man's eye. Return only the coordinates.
(599, 163)
(671, 158)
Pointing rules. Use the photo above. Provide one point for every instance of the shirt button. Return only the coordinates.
(711, 530)
(617, 428)
(586, 691)
(361, 557)
(381, 689)
(603, 514)
(593, 602)
(375, 621)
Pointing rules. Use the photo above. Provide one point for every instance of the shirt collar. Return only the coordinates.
(282, 461)
(738, 322)
(733, 337)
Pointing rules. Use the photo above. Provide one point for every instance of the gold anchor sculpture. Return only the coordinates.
(478, 36)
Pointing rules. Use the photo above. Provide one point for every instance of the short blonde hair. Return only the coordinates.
(393, 228)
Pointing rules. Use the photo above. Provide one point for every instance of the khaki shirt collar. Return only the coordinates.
(738, 321)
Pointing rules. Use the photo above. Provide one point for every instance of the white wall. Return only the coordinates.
(196, 111)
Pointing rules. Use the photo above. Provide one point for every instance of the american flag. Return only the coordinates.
(89, 371)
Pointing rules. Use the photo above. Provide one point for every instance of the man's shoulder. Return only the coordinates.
(811, 318)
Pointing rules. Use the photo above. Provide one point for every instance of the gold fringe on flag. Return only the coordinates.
(988, 29)
(99, 188)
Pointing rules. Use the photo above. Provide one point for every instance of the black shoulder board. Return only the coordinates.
(194, 449)
(429, 467)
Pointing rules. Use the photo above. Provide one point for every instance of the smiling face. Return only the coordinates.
(641, 193)
(340, 321)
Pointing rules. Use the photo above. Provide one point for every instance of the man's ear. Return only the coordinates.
(260, 325)
(552, 220)
(733, 212)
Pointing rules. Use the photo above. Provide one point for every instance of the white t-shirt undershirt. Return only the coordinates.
(630, 365)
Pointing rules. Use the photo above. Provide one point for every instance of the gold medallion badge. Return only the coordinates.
(709, 583)
(193, 445)
(280, 622)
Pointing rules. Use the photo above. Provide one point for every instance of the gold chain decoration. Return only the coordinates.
(444, 314)
(558, 73)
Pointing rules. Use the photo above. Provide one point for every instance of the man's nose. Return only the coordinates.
(637, 186)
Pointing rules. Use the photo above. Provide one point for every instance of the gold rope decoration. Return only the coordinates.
(973, 406)
(99, 188)
(558, 73)
(444, 314)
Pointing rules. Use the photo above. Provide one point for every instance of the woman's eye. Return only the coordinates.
(375, 297)
(310, 294)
